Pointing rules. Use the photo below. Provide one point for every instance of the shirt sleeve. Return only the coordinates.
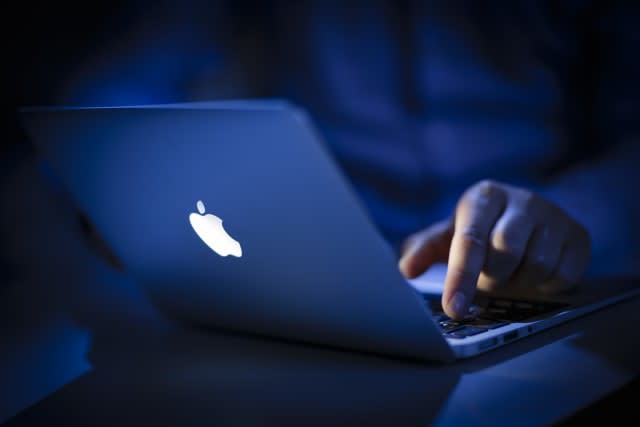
(603, 190)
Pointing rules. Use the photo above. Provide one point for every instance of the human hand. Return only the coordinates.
(499, 234)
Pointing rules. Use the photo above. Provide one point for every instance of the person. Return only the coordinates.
(499, 138)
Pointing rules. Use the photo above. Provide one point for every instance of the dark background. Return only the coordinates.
(46, 40)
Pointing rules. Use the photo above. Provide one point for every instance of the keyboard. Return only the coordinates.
(488, 313)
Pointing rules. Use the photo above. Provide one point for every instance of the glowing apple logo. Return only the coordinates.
(209, 229)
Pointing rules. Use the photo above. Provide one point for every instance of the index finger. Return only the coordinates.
(476, 214)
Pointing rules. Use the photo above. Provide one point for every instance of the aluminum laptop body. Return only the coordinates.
(313, 267)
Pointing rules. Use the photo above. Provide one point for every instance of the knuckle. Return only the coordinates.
(473, 238)
(512, 237)
(486, 187)
(480, 196)
(486, 184)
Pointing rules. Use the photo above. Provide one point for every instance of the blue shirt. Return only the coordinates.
(420, 100)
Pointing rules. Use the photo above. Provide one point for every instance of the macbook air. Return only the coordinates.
(233, 215)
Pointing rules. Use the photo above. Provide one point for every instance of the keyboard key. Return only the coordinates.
(449, 325)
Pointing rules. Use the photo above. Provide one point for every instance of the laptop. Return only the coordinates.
(233, 215)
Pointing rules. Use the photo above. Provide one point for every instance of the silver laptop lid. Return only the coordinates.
(312, 265)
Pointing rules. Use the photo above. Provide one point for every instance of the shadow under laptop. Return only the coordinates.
(189, 377)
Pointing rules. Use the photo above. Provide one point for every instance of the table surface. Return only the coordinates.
(178, 376)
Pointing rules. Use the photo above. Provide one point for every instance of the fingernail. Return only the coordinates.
(404, 260)
(457, 303)
(402, 266)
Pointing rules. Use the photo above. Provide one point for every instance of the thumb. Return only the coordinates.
(425, 248)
